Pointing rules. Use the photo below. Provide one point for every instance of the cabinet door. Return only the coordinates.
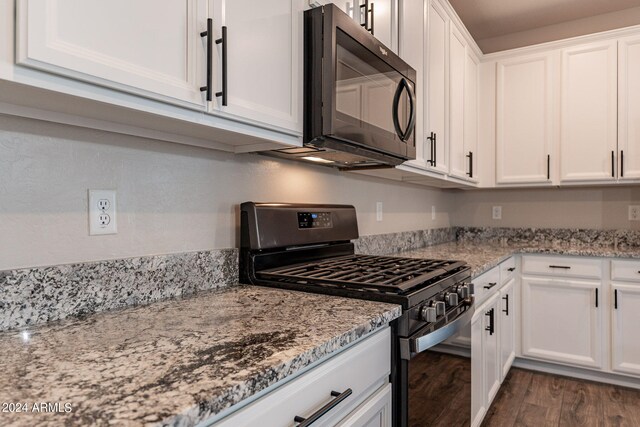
(507, 328)
(411, 49)
(478, 395)
(629, 107)
(457, 59)
(148, 47)
(524, 127)
(264, 46)
(470, 151)
(491, 357)
(562, 321)
(588, 125)
(381, 18)
(624, 328)
(438, 106)
(375, 412)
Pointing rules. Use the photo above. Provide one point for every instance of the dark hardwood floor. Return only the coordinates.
(440, 396)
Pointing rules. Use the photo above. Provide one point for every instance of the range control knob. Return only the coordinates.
(463, 291)
(451, 298)
(440, 308)
(428, 313)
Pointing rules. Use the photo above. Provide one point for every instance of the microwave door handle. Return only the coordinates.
(404, 135)
(412, 113)
(394, 110)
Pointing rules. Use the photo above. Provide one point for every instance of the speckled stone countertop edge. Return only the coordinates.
(241, 395)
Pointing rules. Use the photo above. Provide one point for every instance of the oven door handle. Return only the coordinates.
(421, 342)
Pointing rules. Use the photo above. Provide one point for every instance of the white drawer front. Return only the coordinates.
(562, 266)
(507, 269)
(625, 270)
(363, 368)
(485, 284)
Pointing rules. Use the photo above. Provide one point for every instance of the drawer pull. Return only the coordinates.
(339, 397)
(511, 269)
(490, 285)
(596, 297)
(506, 299)
(615, 299)
(564, 267)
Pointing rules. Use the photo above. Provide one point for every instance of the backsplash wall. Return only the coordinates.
(587, 208)
(170, 198)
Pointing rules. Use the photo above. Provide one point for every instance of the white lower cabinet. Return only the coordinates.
(562, 321)
(625, 340)
(362, 369)
(507, 327)
(478, 400)
(625, 316)
(375, 412)
(485, 361)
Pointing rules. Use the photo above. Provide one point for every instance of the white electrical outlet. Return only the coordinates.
(497, 212)
(378, 211)
(433, 213)
(102, 212)
(634, 213)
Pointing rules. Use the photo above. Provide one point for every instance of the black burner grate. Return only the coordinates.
(384, 273)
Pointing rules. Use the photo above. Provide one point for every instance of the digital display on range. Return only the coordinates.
(314, 220)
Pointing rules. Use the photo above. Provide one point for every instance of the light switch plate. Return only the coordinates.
(102, 212)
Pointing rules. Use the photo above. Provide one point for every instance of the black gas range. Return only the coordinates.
(308, 248)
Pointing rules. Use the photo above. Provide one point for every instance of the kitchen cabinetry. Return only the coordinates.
(588, 113)
(264, 60)
(356, 381)
(507, 327)
(478, 395)
(438, 79)
(457, 59)
(485, 361)
(118, 44)
(379, 17)
(524, 119)
(629, 108)
(470, 140)
(625, 316)
(562, 314)
(452, 121)
(141, 69)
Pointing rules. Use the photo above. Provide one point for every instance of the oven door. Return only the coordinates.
(436, 386)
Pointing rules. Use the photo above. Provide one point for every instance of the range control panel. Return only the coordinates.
(314, 220)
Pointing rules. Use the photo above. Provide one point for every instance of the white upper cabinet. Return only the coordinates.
(524, 119)
(471, 76)
(629, 108)
(437, 118)
(412, 50)
(457, 60)
(264, 60)
(588, 114)
(147, 47)
(379, 17)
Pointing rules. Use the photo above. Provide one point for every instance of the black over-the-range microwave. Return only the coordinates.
(359, 96)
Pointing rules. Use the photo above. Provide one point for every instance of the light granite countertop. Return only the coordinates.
(482, 257)
(176, 362)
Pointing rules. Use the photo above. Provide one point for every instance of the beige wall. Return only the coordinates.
(564, 30)
(605, 208)
(170, 198)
